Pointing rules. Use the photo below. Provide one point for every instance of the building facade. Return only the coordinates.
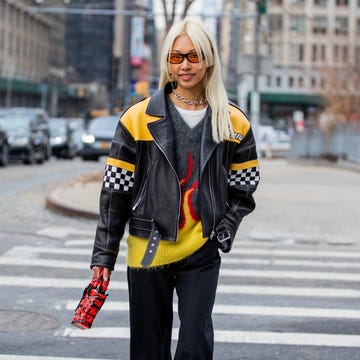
(32, 55)
(310, 43)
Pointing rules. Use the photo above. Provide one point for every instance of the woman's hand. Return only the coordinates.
(106, 273)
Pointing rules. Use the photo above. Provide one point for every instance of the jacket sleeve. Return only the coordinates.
(115, 198)
(243, 179)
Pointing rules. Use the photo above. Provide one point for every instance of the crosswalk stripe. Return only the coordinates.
(231, 260)
(10, 259)
(266, 290)
(296, 252)
(79, 242)
(289, 291)
(244, 273)
(290, 263)
(246, 310)
(29, 357)
(294, 275)
(235, 336)
(237, 251)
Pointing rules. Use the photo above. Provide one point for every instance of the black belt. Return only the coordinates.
(153, 243)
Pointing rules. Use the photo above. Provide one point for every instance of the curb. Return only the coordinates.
(55, 203)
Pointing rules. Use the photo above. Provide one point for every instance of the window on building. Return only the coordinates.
(341, 25)
(297, 24)
(345, 54)
(336, 53)
(313, 82)
(323, 53)
(319, 25)
(301, 82)
(278, 81)
(277, 51)
(301, 52)
(313, 52)
(296, 52)
(358, 26)
(322, 83)
(342, 2)
(291, 82)
(10, 14)
(357, 55)
(320, 2)
(275, 24)
(276, 2)
(268, 81)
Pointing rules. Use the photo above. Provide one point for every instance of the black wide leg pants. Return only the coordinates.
(151, 307)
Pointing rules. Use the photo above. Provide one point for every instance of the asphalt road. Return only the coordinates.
(289, 290)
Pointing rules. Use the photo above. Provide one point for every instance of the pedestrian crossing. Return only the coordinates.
(273, 283)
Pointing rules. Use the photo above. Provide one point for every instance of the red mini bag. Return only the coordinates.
(92, 300)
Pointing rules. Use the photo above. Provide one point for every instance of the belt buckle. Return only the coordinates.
(223, 234)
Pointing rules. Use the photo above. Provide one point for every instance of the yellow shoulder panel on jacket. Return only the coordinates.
(240, 123)
(135, 120)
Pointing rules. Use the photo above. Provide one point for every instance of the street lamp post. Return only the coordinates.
(255, 94)
(124, 80)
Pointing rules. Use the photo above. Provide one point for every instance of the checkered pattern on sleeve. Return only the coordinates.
(249, 176)
(118, 179)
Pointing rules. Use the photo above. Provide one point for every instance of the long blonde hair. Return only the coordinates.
(213, 84)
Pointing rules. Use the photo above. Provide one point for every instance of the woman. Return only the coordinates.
(181, 172)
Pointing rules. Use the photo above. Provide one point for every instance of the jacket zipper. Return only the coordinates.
(140, 197)
(212, 199)
(178, 184)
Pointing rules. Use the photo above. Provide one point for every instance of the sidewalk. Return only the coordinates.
(79, 197)
(296, 202)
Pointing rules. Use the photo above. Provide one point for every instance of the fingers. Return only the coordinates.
(99, 271)
(106, 274)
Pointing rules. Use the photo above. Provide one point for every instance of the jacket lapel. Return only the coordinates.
(161, 130)
(207, 143)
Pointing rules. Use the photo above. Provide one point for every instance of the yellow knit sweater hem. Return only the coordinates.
(168, 252)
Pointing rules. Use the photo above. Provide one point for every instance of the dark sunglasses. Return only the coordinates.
(178, 58)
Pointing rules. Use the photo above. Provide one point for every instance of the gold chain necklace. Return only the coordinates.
(187, 101)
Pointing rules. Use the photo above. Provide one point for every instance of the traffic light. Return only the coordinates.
(261, 6)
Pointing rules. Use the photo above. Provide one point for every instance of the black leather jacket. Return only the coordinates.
(141, 186)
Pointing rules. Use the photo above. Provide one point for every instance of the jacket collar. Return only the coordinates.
(157, 103)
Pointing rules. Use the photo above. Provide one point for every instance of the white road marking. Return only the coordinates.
(245, 310)
(296, 252)
(266, 290)
(233, 336)
(293, 275)
(32, 251)
(290, 263)
(243, 273)
(28, 357)
(63, 232)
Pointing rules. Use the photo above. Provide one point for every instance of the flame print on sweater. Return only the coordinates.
(188, 214)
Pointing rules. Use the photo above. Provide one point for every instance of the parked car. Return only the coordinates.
(99, 134)
(4, 148)
(39, 124)
(274, 143)
(62, 140)
(77, 126)
(26, 141)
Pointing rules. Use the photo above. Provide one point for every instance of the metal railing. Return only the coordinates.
(342, 142)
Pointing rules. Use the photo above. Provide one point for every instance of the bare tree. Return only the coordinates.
(342, 91)
(170, 10)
